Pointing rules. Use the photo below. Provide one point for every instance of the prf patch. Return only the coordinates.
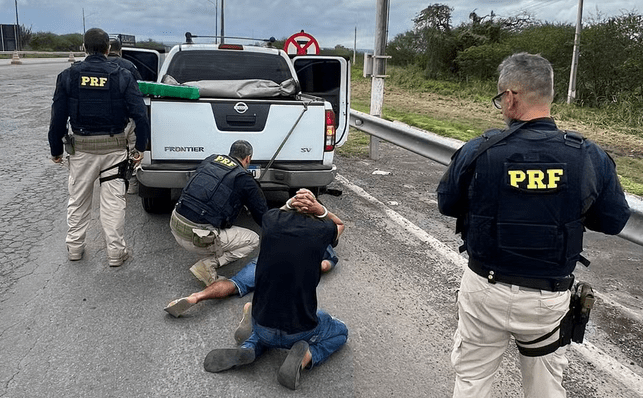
(536, 177)
(224, 161)
(94, 81)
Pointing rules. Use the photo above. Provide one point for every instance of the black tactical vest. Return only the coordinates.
(525, 206)
(208, 193)
(96, 101)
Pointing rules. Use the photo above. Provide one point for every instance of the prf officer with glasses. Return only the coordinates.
(523, 197)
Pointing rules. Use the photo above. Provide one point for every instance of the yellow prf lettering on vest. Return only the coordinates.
(224, 160)
(535, 179)
(93, 81)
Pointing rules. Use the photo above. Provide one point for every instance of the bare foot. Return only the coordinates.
(308, 358)
(326, 266)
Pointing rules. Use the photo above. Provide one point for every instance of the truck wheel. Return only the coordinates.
(157, 205)
(155, 200)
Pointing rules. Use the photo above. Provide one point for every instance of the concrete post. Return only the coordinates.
(15, 60)
(379, 70)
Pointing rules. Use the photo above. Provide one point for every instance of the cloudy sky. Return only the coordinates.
(331, 22)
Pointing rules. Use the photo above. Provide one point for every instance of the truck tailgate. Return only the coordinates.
(191, 131)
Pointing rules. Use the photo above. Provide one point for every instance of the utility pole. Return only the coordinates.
(379, 69)
(355, 45)
(17, 30)
(222, 22)
(571, 93)
(216, 21)
(83, 23)
(216, 13)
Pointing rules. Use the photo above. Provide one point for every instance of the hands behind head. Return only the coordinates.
(305, 202)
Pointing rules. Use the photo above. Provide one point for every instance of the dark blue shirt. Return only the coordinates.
(289, 269)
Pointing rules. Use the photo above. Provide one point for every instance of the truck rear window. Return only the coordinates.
(189, 66)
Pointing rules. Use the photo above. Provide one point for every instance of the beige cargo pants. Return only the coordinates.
(232, 244)
(84, 170)
(489, 315)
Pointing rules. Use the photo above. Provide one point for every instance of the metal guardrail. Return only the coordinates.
(61, 53)
(440, 149)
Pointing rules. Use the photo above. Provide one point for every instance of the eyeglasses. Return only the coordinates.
(498, 98)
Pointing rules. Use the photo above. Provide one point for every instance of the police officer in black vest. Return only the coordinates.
(97, 98)
(203, 219)
(523, 197)
(116, 55)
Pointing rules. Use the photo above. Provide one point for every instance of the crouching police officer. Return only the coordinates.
(203, 219)
(97, 97)
(523, 197)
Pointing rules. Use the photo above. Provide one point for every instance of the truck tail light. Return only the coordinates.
(230, 47)
(329, 138)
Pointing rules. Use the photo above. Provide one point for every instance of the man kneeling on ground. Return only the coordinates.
(284, 306)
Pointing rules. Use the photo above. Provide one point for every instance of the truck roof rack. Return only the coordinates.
(189, 36)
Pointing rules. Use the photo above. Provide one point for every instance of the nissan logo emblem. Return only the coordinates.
(240, 107)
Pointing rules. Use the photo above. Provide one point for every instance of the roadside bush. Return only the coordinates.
(481, 62)
(47, 41)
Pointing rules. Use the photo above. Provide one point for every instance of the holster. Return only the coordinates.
(203, 237)
(572, 326)
(70, 144)
(207, 238)
(125, 170)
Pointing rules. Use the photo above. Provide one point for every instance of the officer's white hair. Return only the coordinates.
(530, 73)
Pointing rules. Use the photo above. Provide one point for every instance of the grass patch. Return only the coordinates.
(412, 79)
(357, 145)
(444, 128)
(629, 171)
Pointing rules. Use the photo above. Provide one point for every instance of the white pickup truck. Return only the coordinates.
(294, 112)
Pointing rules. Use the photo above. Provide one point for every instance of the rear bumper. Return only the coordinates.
(279, 176)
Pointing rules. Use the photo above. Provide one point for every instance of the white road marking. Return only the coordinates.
(593, 354)
(439, 247)
(610, 365)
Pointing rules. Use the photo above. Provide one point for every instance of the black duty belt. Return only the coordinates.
(557, 284)
(85, 132)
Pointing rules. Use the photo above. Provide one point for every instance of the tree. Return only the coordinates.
(610, 68)
(151, 45)
(435, 17)
(404, 49)
(433, 27)
(24, 36)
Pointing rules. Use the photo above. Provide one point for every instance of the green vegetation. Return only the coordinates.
(357, 145)
(462, 110)
(441, 78)
(47, 41)
(609, 71)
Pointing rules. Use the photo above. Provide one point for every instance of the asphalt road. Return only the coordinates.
(80, 329)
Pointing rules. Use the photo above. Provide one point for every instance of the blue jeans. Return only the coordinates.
(329, 336)
(244, 280)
